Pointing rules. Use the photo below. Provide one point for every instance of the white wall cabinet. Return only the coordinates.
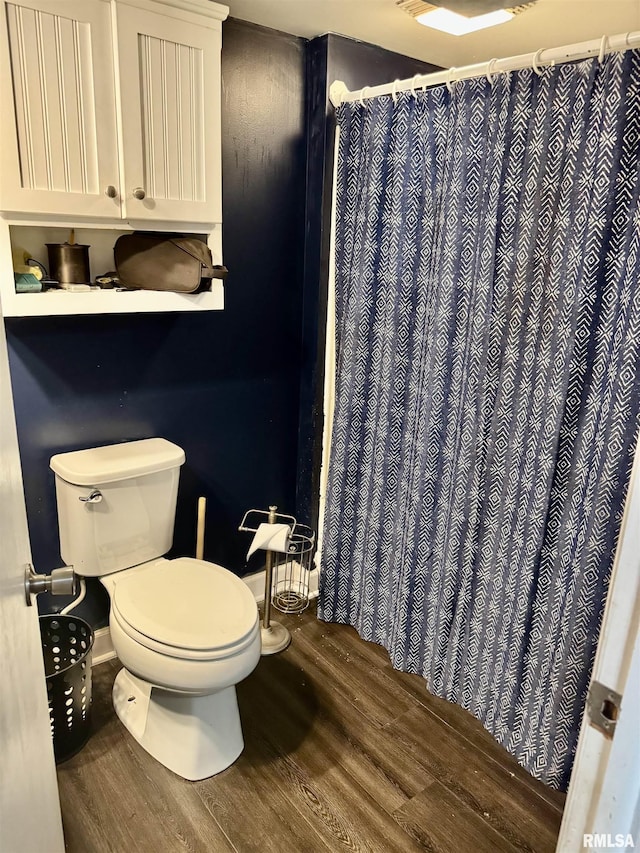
(59, 142)
(111, 120)
(116, 109)
(170, 115)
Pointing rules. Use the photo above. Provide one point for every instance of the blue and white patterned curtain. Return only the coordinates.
(487, 389)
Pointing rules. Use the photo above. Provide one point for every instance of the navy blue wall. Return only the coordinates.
(222, 385)
(357, 64)
(237, 389)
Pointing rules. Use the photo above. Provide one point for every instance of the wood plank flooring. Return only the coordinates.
(342, 753)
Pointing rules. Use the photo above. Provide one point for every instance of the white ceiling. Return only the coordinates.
(550, 23)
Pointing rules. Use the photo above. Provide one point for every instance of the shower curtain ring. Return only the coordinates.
(394, 94)
(603, 49)
(536, 60)
(450, 80)
(363, 94)
(490, 66)
(414, 80)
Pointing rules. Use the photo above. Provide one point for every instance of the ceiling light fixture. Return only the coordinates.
(461, 17)
(459, 25)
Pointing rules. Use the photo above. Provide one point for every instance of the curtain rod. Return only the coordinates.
(339, 93)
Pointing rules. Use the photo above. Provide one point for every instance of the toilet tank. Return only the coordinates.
(130, 518)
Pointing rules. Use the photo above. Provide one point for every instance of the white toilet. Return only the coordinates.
(186, 631)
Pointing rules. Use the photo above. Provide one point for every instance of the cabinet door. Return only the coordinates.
(58, 143)
(170, 100)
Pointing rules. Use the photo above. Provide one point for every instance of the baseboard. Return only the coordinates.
(103, 647)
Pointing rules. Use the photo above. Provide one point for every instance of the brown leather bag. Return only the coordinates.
(165, 262)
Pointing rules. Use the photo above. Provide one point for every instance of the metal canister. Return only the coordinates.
(69, 263)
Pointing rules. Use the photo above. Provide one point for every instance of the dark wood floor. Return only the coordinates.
(341, 753)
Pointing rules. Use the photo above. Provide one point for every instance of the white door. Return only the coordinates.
(603, 803)
(58, 135)
(169, 70)
(29, 808)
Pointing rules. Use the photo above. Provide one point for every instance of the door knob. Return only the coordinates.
(59, 582)
(139, 193)
(111, 191)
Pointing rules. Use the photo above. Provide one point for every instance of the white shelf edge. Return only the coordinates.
(89, 223)
(64, 303)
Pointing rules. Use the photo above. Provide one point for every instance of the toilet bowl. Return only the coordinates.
(186, 631)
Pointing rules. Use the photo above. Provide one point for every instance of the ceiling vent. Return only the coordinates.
(460, 17)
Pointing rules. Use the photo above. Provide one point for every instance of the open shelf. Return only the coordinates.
(32, 239)
(58, 302)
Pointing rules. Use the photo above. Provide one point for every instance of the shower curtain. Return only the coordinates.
(487, 387)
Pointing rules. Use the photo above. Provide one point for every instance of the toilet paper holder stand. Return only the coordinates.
(275, 637)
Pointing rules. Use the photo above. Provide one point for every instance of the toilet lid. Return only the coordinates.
(187, 603)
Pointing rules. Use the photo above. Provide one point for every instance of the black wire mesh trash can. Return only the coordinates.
(66, 646)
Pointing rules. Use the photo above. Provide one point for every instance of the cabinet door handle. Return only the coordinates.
(139, 193)
(111, 191)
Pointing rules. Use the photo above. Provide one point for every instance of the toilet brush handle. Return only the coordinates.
(202, 510)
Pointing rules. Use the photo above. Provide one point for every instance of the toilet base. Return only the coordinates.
(195, 736)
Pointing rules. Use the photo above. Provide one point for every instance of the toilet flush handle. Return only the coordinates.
(94, 498)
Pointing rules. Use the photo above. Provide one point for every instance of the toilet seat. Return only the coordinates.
(186, 608)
